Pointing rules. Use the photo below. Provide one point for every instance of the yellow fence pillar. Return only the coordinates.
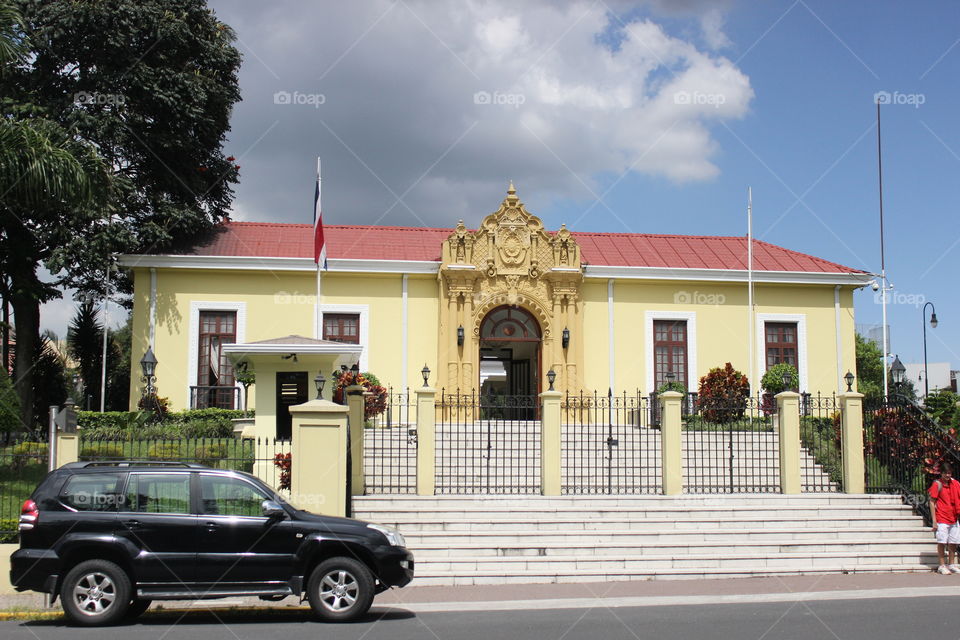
(67, 449)
(671, 446)
(550, 448)
(852, 441)
(318, 460)
(355, 404)
(788, 413)
(426, 441)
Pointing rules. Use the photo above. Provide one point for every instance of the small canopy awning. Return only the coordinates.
(292, 345)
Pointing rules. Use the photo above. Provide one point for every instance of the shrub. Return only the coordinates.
(374, 404)
(772, 380)
(26, 453)
(282, 462)
(723, 394)
(8, 530)
(102, 452)
(164, 451)
(679, 387)
(941, 406)
(210, 455)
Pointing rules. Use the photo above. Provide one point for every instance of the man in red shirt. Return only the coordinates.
(944, 507)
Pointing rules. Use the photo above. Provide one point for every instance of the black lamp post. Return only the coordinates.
(425, 372)
(148, 366)
(320, 381)
(933, 325)
(849, 380)
(551, 377)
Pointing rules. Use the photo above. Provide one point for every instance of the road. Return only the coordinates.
(874, 619)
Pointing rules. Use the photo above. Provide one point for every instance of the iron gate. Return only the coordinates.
(609, 445)
(487, 444)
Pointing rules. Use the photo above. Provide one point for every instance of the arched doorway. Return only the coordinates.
(509, 353)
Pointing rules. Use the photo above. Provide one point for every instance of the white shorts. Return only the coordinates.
(948, 533)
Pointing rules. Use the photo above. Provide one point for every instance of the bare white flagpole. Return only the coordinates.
(750, 314)
(106, 333)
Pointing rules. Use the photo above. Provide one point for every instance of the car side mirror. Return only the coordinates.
(271, 509)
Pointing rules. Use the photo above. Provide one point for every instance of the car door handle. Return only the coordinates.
(131, 524)
(212, 526)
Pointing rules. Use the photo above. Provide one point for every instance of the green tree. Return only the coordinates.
(85, 346)
(869, 368)
(143, 88)
(9, 404)
(118, 367)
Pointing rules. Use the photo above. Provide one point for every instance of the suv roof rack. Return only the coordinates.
(133, 463)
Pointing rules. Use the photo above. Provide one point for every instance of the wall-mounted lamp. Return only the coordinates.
(425, 372)
(292, 356)
(551, 377)
(565, 339)
(355, 369)
(460, 336)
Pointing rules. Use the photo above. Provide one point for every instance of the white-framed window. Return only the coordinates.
(783, 322)
(690, 318)
(196, 306)
(361, 312)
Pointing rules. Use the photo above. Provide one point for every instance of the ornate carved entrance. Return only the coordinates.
(510, 262)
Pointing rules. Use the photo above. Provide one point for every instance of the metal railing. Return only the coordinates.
(487, 444)
(608, 445)
(24, 461)
(390, 447)
(219, 397)
(903, 450)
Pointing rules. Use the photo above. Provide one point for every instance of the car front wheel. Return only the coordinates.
(340, 589)
(95, 592)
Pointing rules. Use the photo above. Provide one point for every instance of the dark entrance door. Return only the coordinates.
(291, 390)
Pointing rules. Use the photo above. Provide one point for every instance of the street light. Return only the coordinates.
(551, 378)
(425, 372)
(849, 380)
(933, 325)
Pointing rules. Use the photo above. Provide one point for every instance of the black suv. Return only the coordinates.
(109, 538)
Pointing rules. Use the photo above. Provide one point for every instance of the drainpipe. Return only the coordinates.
(153, 308)
(836, 313)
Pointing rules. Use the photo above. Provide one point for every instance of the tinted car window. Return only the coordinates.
(95, 492)
(158, 493)
(230, 497)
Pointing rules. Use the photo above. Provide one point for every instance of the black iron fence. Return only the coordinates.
(609, 445)
(903, 450)
(24, 461)
(731, 447)
(390, 447)
(487, 444)
(821, 457)
(267, 458)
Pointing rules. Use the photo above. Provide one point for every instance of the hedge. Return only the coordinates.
(125, 425)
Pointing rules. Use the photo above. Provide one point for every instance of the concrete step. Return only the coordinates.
(405, 503)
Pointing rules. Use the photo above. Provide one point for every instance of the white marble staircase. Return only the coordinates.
(530, 539)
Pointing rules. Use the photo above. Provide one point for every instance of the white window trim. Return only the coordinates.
(801, 320)
(691, 319)
(196, 306)
(364, 311)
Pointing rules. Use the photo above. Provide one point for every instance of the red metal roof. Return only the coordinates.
(274, 239)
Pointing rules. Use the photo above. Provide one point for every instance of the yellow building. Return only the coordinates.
(491, 309)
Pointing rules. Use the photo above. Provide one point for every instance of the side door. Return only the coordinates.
(156, 517)
(238, 545)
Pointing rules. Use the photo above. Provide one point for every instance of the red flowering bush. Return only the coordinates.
(723, 394)
(282, 462)
(374, 404)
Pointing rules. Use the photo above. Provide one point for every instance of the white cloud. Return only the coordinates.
(405, 110)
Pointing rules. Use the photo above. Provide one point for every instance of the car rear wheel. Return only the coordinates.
(95, 592)
(340, 589)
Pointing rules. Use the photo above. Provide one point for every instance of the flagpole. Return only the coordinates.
(750, 314)
(317, 207)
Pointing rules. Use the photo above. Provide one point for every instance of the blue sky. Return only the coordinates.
(599, 141)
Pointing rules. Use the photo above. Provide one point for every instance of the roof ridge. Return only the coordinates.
(655, 235)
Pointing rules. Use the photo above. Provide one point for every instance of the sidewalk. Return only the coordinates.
(603, 594)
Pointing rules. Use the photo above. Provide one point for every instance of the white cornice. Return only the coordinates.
(725, 275)
(253, 263)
